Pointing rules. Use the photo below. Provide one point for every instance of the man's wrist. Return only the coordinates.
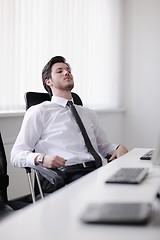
(39, 159)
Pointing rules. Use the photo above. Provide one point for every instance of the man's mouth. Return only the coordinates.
(67, 78)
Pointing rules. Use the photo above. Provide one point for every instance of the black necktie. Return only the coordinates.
(90, 148)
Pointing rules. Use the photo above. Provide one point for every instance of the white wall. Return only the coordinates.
(141, 72)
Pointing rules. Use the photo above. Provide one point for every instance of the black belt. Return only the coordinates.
(90, 164)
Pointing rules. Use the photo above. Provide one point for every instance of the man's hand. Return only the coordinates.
(53, 161)
(121, 150)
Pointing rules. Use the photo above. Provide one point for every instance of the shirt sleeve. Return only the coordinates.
(104, 145)
(22, 154)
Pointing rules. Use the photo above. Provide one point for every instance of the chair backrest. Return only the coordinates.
(33, 98)
(4, 178)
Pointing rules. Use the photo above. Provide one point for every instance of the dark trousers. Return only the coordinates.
(68, 173)
(72, 173)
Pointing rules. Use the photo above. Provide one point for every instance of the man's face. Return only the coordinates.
(61, 77)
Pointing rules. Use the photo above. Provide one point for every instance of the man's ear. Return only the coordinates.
(49, 82)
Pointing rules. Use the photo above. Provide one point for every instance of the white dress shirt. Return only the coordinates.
(50, 128)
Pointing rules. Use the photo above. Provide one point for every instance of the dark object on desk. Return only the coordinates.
(128, 175)
(117, 213)
(148, 155)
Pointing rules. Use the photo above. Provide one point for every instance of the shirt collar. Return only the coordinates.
(60, 101)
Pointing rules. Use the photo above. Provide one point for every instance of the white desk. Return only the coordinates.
(58, 216)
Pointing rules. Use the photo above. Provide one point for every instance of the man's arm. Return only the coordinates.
(22, 154)
(51, 161)
(104, 146)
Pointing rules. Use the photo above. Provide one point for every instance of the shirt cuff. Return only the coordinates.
(31, 159)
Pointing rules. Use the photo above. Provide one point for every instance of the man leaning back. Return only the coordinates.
(50, 129)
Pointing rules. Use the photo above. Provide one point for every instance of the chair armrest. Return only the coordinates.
(56, 180)
(51, 176)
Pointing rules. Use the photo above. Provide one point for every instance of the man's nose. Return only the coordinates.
(66, 72)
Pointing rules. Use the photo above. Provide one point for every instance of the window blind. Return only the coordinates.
(86, 32)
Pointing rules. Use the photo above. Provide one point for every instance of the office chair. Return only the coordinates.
(40, 175)
(6, 207)
(33, 98)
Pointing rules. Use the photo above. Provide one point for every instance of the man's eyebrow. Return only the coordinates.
(60, 68)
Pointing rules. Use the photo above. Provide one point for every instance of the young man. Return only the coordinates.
(51, 131)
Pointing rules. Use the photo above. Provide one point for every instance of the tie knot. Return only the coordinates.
(69, 103)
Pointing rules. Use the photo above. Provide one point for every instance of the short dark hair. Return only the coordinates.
(46, 72)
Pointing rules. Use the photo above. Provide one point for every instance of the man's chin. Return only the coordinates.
(69, 87)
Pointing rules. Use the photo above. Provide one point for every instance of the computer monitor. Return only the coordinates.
(156, 153)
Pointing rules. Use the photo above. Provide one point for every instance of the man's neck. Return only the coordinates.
(63, 94)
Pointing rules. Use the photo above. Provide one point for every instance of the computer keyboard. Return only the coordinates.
(117, 213)
(147, 155)
(128, 175)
